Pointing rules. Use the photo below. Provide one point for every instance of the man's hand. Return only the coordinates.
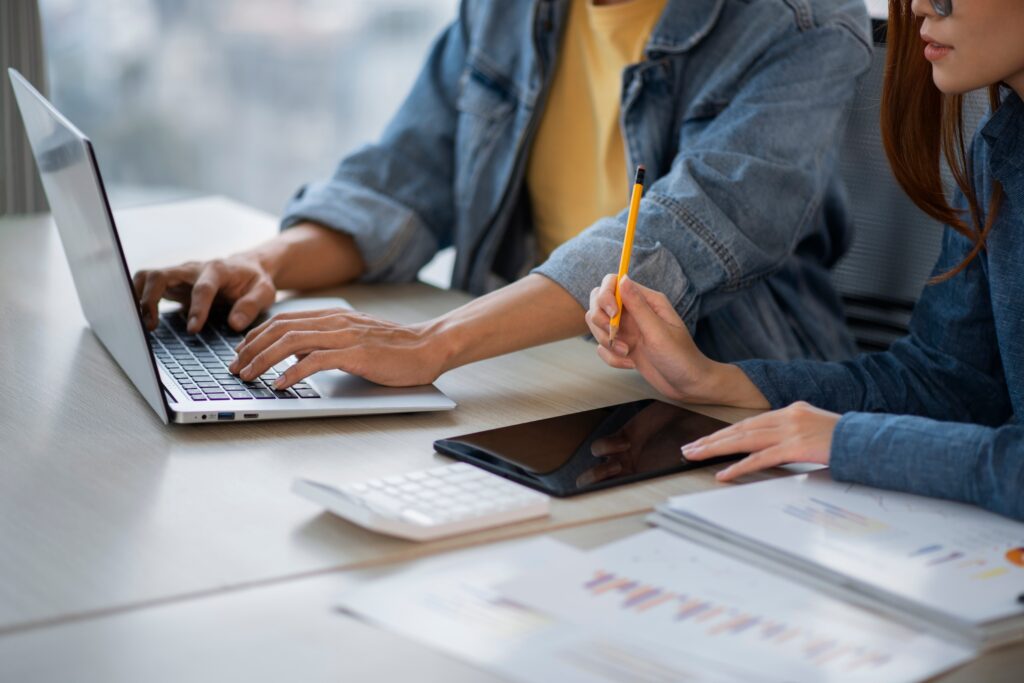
(239, 279)
(307, 256)
(526, 313)
(383, 352)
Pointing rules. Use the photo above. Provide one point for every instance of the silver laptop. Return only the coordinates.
(183, 377)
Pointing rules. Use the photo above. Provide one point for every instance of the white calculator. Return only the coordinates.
(429, 504)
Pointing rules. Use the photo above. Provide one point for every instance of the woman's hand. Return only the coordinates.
(653, 340)
(797, 433)
(380, 351)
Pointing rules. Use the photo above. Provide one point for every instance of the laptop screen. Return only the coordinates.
(79, 206)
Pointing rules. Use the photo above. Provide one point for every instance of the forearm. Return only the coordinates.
(529, 312)
(309, 256)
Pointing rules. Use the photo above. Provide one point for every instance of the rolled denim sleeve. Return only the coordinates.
(395, 197)
(948, 368)
(970, 463)
(744, 185)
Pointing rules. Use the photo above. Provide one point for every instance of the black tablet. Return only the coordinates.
(594, 449)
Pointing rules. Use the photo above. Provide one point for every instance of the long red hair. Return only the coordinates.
(920, 125)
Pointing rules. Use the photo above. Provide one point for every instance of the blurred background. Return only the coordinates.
(244, 98)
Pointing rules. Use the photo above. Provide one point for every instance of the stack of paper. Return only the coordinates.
(935, 563)
(653, 608)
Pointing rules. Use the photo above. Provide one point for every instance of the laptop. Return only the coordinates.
(183, 377)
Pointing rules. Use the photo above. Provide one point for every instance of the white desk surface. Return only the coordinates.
(102, 506)
(140, 551)
(290, 631)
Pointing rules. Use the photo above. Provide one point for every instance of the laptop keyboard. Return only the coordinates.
(199, 364)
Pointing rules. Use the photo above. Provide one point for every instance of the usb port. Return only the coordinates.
(250, 416)
(224, 417)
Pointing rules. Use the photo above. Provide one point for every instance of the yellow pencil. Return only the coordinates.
(627, 247)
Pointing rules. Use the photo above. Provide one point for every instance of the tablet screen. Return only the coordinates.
(591, 450)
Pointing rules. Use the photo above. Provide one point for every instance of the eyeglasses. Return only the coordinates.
(943, 7)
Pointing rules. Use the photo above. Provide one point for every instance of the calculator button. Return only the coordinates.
(416, 517)
(383, 503)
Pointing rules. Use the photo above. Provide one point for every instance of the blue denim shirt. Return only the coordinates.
(958, 379)
(735, 111)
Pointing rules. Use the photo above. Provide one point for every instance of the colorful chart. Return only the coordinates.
(834, 518)
(714, 618)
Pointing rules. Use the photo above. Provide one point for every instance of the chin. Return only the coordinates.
(949, 84)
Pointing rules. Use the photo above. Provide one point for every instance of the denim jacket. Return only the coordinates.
(958, 379)
(735, 111)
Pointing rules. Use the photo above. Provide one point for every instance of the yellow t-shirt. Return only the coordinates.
(577, 168)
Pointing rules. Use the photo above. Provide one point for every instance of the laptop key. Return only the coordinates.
(284, 393)
(217, 397)
(238, 394)
(307, 393)
(262, 393)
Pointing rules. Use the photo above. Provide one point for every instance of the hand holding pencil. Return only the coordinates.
(627, 248)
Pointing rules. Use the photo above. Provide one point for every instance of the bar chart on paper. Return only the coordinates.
(695, 600)
(818, 646)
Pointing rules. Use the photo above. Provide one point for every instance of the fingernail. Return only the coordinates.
(233, 366)
(279, 382)
(610, 311)
(238, 321)
(246, 373)
(620, 348)
(193, 323)
(722, 474)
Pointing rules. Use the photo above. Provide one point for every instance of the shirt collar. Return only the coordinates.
(1004, 134)
(683, 24)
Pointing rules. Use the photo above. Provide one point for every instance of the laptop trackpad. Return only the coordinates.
(338, 384)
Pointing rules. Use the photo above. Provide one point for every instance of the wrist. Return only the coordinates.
(446, 341)
(726, 384)
(270, 257)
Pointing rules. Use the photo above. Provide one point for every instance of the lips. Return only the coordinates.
(934, 50)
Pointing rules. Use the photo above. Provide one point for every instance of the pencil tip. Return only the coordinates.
(640, 171)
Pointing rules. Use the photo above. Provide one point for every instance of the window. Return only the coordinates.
(245, 98)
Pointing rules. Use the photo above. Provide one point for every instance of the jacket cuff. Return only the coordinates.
(392, 240)
(580, 264)
(760, 373)
(851, 457)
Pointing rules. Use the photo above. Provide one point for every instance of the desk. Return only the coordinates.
(120, 534)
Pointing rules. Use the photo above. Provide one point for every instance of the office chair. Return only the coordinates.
(895, 244)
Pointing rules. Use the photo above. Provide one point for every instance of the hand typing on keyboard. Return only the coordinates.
(305, 257)
(198, 363)
(240, 279)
